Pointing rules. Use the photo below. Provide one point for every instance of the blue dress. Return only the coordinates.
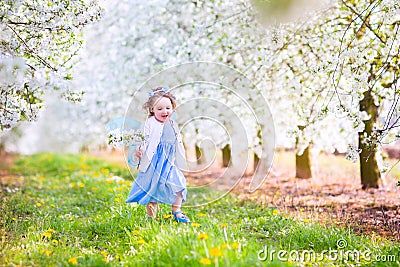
(162, 179)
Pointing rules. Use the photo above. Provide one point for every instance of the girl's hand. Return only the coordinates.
(139, 153)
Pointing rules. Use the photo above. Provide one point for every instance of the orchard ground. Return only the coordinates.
(62, 209)
(333, 195)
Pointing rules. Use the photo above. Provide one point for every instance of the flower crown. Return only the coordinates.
(164, 90)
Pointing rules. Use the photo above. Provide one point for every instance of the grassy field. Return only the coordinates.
(70, 210)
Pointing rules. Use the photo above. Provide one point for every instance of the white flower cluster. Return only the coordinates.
(353, 153)
(121, 138)
(73, 96)
(19, 95)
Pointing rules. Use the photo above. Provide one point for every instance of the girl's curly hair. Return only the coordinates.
(154, 95)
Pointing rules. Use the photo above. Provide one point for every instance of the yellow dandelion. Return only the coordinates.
(117, 199)
(47, 252)
(275, 212)
(80, 184)
(55, 241)
(167, 216)
(224, 225)
(104, 259)
(305, 220)
(205, 261)
(135, 232)
(56, 187)
(84, 165)
(50, 230)
(201, 214)
(47, 234)
(225, 246)
(73, 261)
(141, 242)
(235, 245)
(290, 261)
(202, 235)
(216, 252)
(52, 205)
(14, 219)
(104, 253)
(94, 188)
(194, 224)
(117, 257)
(175, 223)
(307, 263)
(38, 204)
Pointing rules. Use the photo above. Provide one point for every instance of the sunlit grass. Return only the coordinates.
(71, 211)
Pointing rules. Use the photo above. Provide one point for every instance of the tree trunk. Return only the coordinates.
(200, 157)
(369, 170)
(303, 162)
(256, 162)
(303, 165)
(226, 156)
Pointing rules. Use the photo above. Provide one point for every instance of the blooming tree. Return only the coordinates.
(366, 76)
(345, 64)
(38, 42)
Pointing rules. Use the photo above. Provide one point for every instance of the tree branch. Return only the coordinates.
(44, 62)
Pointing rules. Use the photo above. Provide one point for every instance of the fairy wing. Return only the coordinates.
(124, 123)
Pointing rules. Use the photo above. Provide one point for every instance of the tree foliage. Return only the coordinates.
(38, 42)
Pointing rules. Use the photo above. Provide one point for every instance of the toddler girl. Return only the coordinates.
(161, 157)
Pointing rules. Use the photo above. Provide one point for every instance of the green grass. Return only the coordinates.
(70, 211)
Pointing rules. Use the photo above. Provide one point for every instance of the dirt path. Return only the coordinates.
(7, 179)
(332, 196)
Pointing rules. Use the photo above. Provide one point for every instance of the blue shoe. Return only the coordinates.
(182, 219)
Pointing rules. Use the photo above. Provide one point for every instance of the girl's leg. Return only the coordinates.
(176, 207)
(178, 202)
(151, 208)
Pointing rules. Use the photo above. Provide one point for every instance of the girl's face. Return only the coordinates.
(162, 109)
